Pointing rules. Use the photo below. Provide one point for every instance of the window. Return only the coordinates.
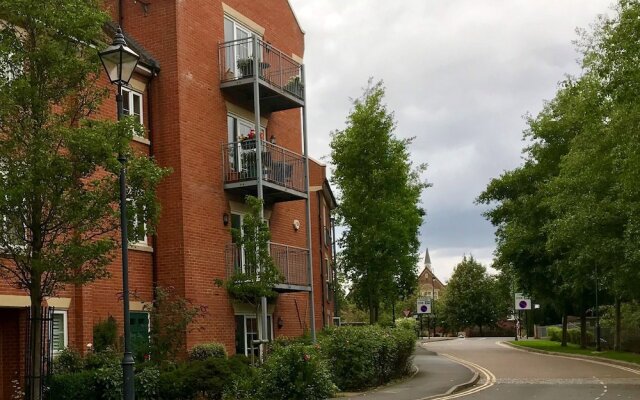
(240, 157)
(240, 50)
(132, 104)
(138, 222)
(328, 275)
(248, 329)
(59, 338)
(436, 294)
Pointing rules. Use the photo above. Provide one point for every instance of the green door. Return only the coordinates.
(139, 323)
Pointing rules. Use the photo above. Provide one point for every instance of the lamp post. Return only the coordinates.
(119, 62)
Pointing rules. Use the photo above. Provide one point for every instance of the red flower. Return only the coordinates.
(307, 357)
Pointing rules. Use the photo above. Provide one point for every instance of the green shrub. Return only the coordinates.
(208, 378)
(407, 323)
(203, 351)
(146, 383)
(242, 385)
(107, 358)
(364, 356)
(105, 334)
(72, 386)
(68, 361)
(295, 372)
(554, 333)
(108, 382)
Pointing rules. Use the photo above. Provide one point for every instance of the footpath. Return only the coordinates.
(436, 375)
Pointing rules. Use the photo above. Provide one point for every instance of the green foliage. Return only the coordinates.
(105, 334)
(102, 359)
(146, 383)
(554, 333)
(379, 204)
(295, 372)
(207, 378)
(72, 386)
(171, 317)
(407, 323)
(473, 297)
(365, 356)
(108, 382)
(68, 361)
(203, 351)
(259, 273)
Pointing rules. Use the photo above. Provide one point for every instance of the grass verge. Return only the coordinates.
(548, 345)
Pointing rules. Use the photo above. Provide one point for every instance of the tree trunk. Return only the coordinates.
(35, 344)
(583, 329)
(564, 329)
(617, 346)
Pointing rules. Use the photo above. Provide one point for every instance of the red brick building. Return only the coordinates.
(198, 95)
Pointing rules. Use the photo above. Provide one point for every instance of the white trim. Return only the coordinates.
(130, 93)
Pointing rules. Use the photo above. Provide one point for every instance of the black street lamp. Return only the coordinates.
(119, 62)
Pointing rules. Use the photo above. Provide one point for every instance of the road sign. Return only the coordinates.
(406, 312)
(423, 305)
(522, 303)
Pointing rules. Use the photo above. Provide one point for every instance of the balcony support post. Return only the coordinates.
(259, 175)
(312, 307)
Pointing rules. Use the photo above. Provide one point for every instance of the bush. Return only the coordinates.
(105, 334)
(555, 333)
(72, 386)
(295, 372)
(108, 382)
(107, 358)
(208, 378)
(146, 383)
(68, 361)
(407, 323)
(203, 351)
(365, 356)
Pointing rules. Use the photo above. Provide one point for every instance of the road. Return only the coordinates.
(509, 374)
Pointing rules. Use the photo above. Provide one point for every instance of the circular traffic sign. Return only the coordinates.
(522, 304)
(424, 308)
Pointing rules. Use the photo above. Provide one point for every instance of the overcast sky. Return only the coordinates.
(460, 76)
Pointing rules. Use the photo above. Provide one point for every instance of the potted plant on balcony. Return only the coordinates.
(245, 66)
(294, 86)
(257, 275)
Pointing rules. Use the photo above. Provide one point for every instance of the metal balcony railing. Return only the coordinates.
(291, 262)
(279, 165)
(275, 67)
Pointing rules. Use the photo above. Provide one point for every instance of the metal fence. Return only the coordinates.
(276, 68)
(279, 165)
(36, 378)
(291, 261)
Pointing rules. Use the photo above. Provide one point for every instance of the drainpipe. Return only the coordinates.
(154, 237)
(312, 307)
(322, 276)
(120, 14)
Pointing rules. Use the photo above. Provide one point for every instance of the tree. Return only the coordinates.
(379, 204)
(58, 187)
(473, 297)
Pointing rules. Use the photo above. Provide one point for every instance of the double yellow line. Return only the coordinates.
(489, 378)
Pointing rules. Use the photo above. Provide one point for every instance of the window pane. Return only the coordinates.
(228, 30)
(137, 106)
(58, 332)
(240, 348)
(126, 107)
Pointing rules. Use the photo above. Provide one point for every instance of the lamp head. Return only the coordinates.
(118, 60)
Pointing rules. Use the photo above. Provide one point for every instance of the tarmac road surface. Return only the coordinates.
(512, 374)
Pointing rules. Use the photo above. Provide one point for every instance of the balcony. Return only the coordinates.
(290, 261)
(279, 75)
(282, 171)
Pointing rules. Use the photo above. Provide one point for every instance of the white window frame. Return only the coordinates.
(65, 331)
(131, 93)
(258, 319)
(135, 222)
(238, 150)
(238, 26)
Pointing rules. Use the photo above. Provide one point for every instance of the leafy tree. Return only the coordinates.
(473, 297)
(379, 205)
(58, 187)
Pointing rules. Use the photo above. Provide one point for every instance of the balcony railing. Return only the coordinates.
(275, 68)
(289, 260)
(280, 166)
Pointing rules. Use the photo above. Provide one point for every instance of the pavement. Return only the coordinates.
(436, 375)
